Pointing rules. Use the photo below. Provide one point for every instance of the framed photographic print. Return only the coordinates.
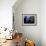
(29, 19)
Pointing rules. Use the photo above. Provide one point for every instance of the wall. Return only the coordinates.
(43, 22)
(29, 32)
(6, 13)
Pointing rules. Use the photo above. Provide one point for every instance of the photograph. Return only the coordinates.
(29, 19)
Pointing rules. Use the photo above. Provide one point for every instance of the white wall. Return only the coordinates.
(43, 22)
(6, 13)
(30, 32)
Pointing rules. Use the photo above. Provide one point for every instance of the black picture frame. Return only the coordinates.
(29, 19)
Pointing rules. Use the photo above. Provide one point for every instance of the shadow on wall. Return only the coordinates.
(12, 44)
